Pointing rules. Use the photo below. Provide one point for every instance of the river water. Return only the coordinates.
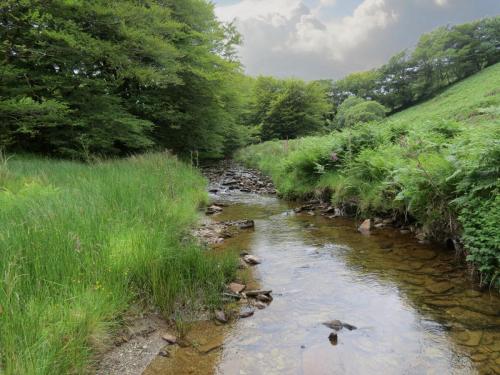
(414, 306)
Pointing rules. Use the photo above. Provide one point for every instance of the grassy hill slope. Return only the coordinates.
(436, 164)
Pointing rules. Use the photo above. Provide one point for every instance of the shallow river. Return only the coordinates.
(416, 310)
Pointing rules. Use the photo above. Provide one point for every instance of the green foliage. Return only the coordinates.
(286, 109)
(81, 242)
(437, 163)
(115, 78)
(441, 57)
(361, 112)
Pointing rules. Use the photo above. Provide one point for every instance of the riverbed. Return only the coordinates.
(415, 307)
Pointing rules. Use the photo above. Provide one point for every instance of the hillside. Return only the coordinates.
(435, 165)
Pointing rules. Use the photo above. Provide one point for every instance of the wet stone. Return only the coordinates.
(246, 313)
(365, 227)
(470, 338)
(263, 298)
(439, 287)
(333, 337)
(164, 353)
(170, 339)
(260, 305)
(251, 259)
(220, 316)
(236, 288)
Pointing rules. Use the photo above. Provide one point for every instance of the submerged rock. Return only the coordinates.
(439, 287)
(337, 325)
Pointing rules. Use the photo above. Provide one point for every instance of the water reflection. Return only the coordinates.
(415, 310)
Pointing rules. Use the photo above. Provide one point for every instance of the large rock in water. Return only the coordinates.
(365, 227)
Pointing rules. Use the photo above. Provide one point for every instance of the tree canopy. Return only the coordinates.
(116, 77)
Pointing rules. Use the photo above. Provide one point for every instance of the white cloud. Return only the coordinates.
(337, 38)
(286, 37)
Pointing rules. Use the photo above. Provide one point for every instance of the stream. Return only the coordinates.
(415, 307)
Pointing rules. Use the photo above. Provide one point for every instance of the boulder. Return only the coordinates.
(365, 226)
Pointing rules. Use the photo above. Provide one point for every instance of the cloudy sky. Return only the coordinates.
(314, 39)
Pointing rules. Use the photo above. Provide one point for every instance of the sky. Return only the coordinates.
(328, 39)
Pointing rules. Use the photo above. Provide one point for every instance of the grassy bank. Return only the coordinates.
(79, 243)
(437, 164)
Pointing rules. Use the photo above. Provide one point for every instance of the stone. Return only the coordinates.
(404, 231)
(255, 293)
(251, 259)
(365, 226)
(473, 293)
(439, 287)
(387, 221)
(220, 316)
(170, 339)
(210, 346)
(333, 337)
(260, 305)
(236, 288)
(164, 353)
(246, 224)
(263, 298)
(246, 313)
(329, 210)
(387, 246)
(213, 191)
(337, 325)
(213, 209)
(470, 338)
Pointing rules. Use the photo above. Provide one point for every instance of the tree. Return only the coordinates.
(296, 110)
(356, 110)
(116, 77)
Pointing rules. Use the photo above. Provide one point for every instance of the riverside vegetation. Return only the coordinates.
(80, 243)
(437, 163)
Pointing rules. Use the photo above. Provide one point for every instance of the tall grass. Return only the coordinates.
(79, 243)
(437, 163)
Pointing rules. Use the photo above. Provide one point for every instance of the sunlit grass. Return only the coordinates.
(79, 243)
